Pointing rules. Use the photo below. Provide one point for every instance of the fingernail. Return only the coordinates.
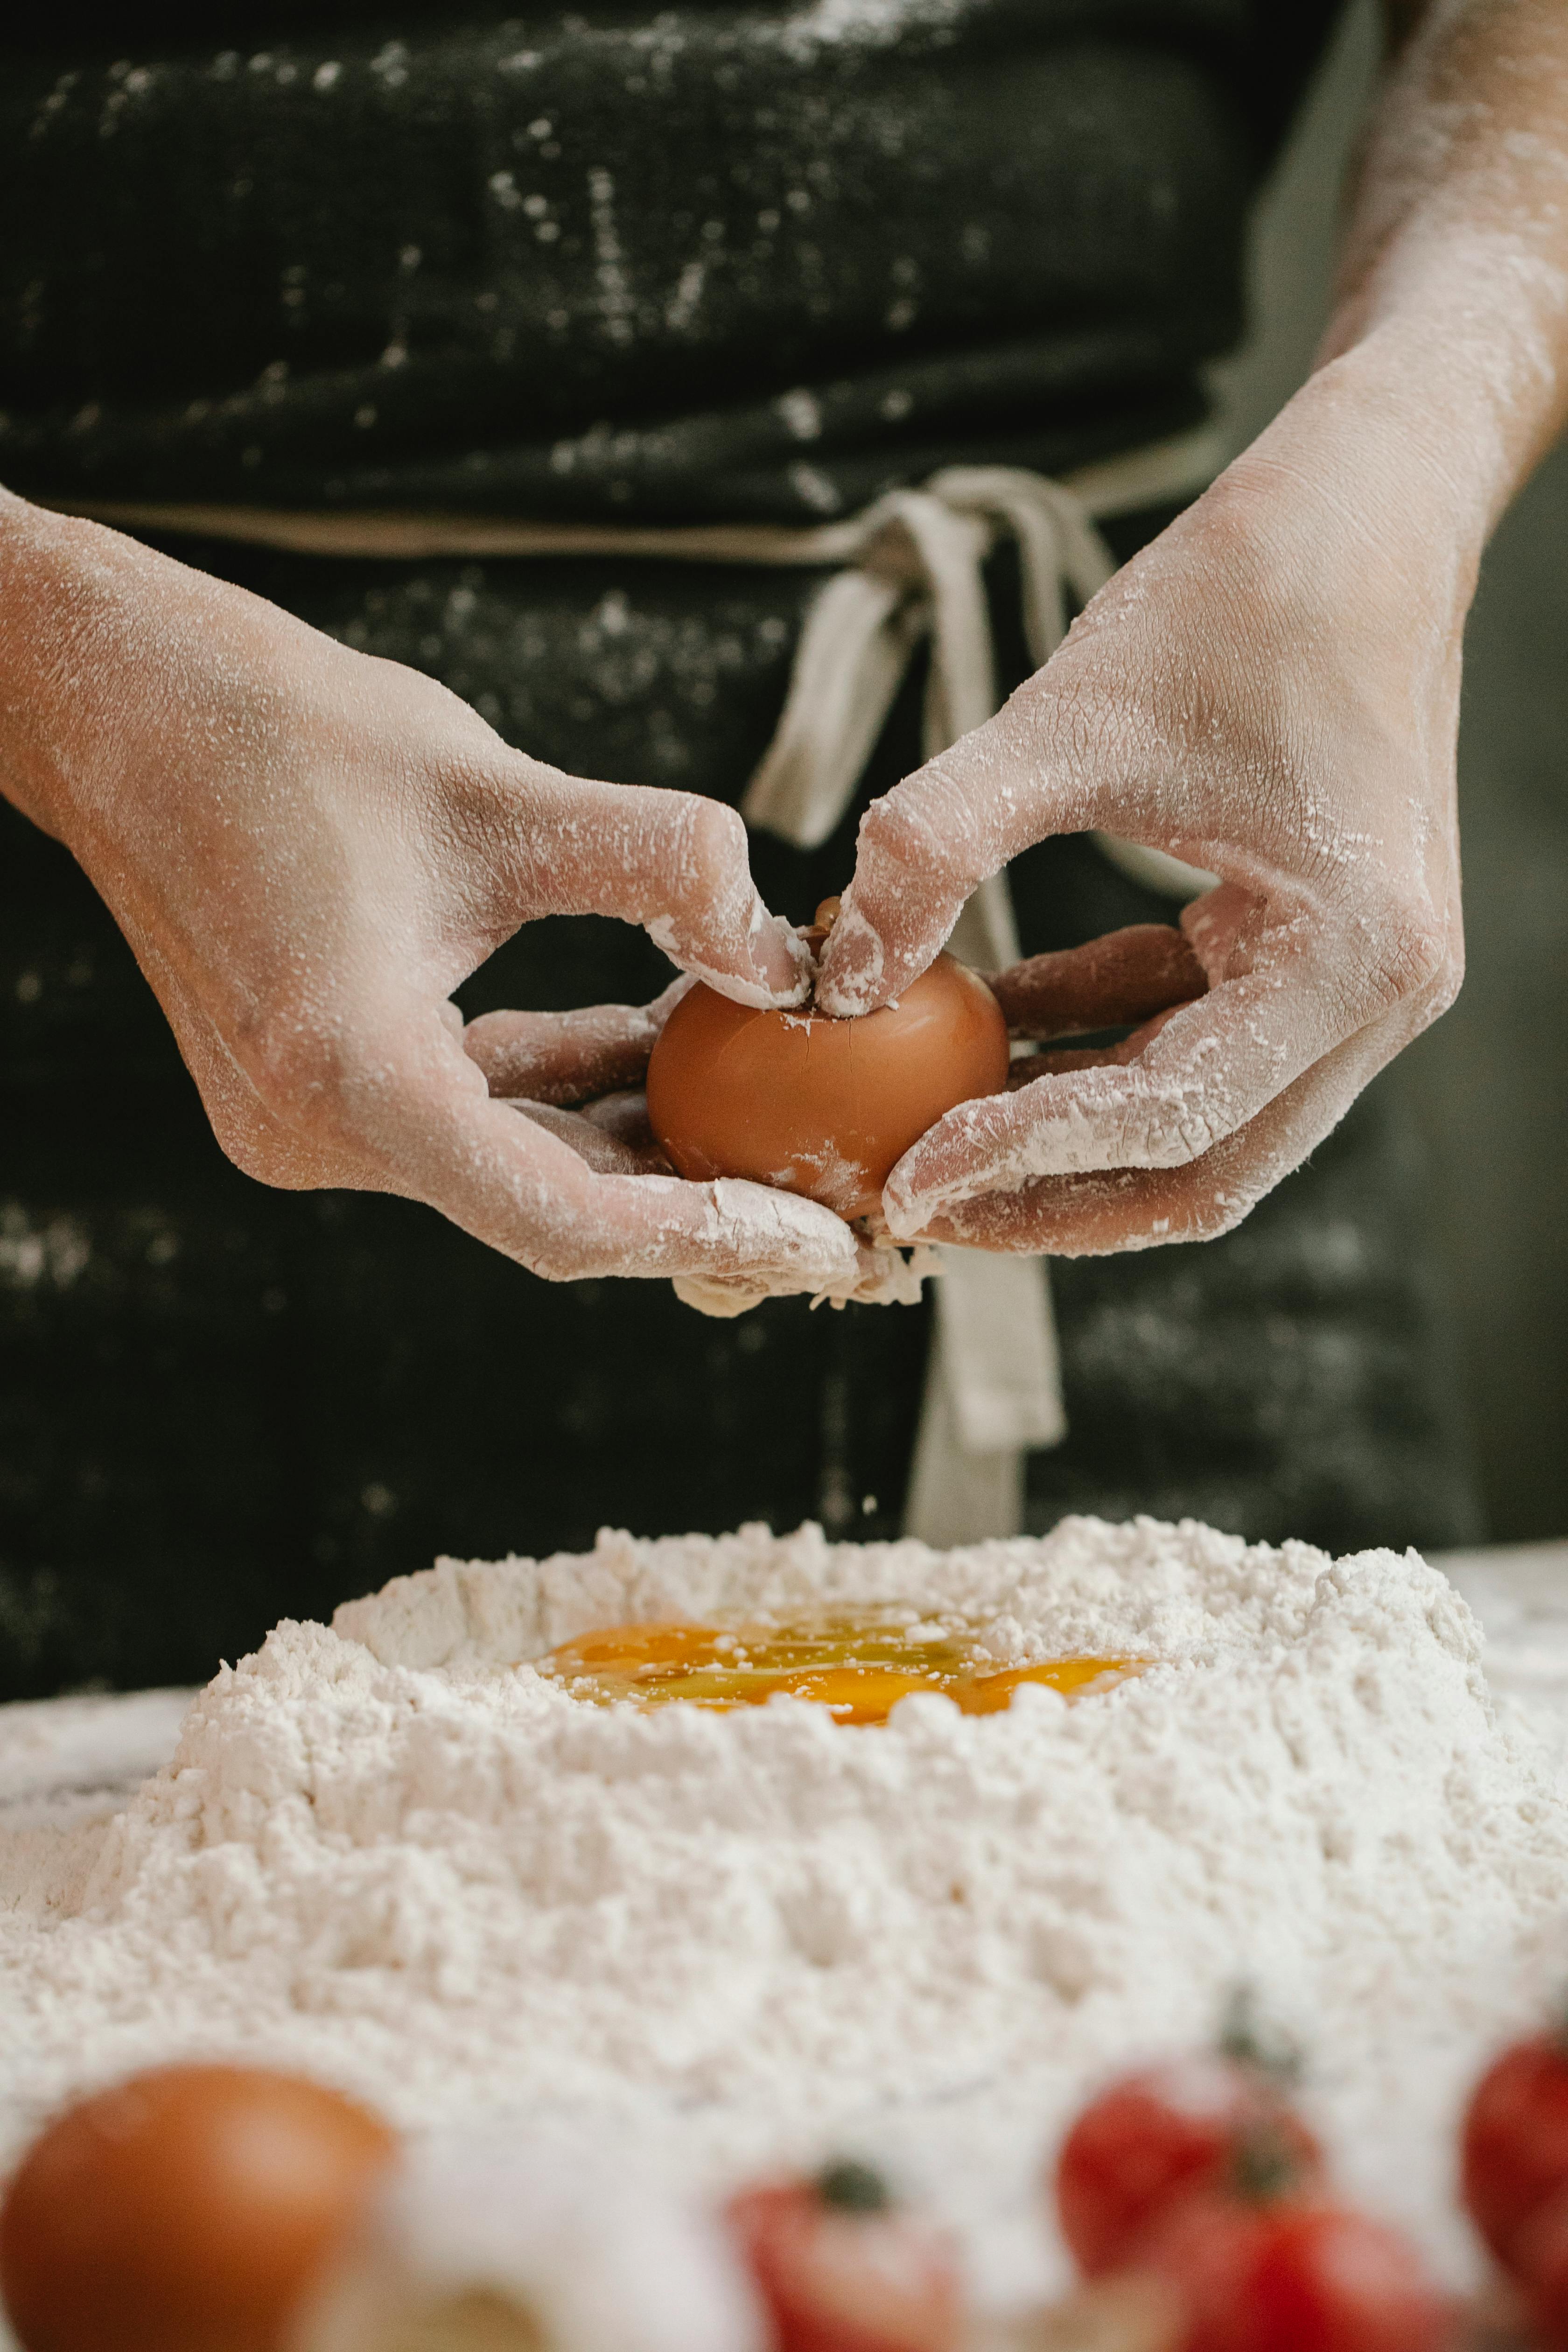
(908, 1215)
(783, 1230)
(781, 968)
(782, 959)
(852, 964)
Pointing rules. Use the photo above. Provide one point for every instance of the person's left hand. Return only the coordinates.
(1271, 692)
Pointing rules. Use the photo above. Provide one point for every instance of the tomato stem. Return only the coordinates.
(852, 2188)
(1249, 2040)
(1265, 2166)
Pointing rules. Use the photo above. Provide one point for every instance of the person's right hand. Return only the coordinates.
(309, 849)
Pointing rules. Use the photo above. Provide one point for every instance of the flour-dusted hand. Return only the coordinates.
(1271, 692)
(309, 849)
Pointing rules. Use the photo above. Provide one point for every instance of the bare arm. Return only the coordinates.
(309, 849)
(1271, 691)
(1455, 264)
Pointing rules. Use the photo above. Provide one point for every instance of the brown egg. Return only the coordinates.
(185, 2210)
(816, 1106)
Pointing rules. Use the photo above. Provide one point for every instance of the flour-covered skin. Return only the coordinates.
(885, 1276)
(309, 849)
(570, 1057)
(1270, 690)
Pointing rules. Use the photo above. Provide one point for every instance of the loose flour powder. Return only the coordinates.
(390, 1854)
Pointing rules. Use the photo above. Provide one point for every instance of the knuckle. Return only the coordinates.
(1164, 1122)
(1172, 1135)
(1412, 956)
(714, 842)
(1428, 1004)
(922, 830)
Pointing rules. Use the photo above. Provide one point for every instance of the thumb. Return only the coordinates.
(920, 851)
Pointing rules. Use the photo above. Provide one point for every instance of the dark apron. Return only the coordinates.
(218, 1403)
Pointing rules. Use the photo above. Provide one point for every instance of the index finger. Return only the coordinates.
(674, 862)
(1209, 1070)
(926, 846)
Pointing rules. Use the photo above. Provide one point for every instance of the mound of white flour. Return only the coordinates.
(387, 1853)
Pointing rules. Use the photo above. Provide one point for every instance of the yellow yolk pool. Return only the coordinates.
(857, 1666)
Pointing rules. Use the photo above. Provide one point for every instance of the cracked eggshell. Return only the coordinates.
(819, 1106)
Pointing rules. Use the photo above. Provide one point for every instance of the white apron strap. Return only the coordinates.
(853, 655)
(994, 1390)
(993, 1395)
(918, 574)
(994, 1385)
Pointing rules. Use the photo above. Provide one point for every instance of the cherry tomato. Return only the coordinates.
(1291, 2275)
(1537, 2253)
(1514, 2150)
(1161, 2133)
(185, 2210)
(840, 2270)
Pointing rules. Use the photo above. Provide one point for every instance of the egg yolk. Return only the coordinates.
(857, 1666)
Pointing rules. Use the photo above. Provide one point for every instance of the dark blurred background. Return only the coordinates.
(137, 1271)
(1489, 1085)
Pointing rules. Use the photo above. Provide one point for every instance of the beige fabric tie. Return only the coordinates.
(911, 573)
(994, 1386)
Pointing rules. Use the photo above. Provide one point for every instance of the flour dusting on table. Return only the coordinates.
(391, 1854)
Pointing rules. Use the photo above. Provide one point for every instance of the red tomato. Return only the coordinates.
(1292, 2274)
(1158, 2135)
(1538, 2258)
(839, 2270)
(1515, 2142)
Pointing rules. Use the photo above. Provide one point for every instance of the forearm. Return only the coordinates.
(1453, 290)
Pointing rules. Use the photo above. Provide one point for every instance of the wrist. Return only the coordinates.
(1472, 394)
(1375, 489)
(1455, 266)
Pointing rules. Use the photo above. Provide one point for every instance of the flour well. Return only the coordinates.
(389, 1853)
